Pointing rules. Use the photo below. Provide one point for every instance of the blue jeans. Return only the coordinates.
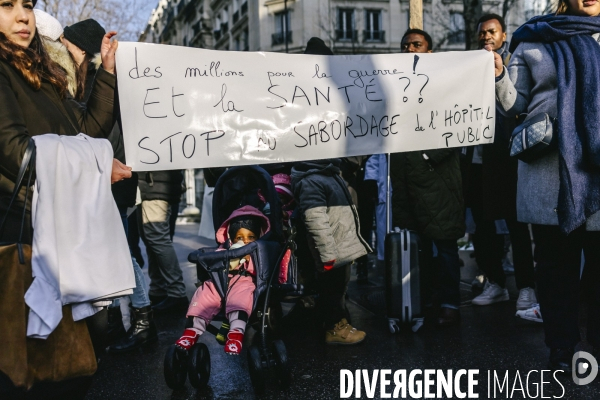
(139, 298)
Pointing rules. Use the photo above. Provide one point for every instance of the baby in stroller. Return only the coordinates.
(244, 225)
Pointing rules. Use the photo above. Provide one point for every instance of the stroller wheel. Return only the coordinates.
(282, 367)
(255, 367)
(198, 366)
(175, 368)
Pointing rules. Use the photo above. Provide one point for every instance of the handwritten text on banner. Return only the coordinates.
(193, 108)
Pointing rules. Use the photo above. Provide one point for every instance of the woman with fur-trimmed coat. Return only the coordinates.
(34, 100)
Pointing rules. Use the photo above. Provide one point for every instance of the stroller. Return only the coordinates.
(237, 187)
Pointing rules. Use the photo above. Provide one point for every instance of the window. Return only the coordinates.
(245, 40)
(282, 22)
(457, 28)
(217, 31)
(236, 12)
(345, 29)
(373, 30)
(196, 29)
(241, 42)
(225, 21)
(282, 28)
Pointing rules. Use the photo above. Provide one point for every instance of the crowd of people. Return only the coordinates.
(62, 80)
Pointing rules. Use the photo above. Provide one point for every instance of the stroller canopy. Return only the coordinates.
(244, 186)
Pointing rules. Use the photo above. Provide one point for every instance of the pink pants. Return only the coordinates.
(206, 302)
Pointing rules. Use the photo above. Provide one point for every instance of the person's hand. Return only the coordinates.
(119, 172)
(107, 52)
(498, 64)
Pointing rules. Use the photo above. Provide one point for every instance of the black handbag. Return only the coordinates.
(534, 138)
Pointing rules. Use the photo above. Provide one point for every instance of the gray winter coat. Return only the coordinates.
(529, 86)
(330, 216)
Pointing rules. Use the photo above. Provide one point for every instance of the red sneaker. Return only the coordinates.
(188, 339)
(233, 346)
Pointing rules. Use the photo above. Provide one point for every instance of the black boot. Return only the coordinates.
(115, 329)
(142, 331)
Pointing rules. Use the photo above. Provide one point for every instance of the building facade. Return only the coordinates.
(347, 26)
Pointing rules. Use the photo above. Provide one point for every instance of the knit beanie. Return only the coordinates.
(283, 187)
(47, 25)
(87, 35)
(253, 224)
(317, 46)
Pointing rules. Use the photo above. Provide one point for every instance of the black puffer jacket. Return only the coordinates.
(330, 216)
(161, 185)
(427, 194)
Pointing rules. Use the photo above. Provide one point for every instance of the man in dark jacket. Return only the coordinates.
(334, 240)
(491, 192)
(159, 190)
(427, 198)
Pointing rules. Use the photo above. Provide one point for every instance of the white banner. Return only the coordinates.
(193, 108)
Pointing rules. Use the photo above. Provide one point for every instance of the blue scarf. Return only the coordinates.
(577, 59)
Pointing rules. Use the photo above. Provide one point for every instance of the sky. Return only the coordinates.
(111, 14)
(144, 14)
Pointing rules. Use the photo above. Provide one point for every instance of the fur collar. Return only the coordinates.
(97, 61)
(60, 55)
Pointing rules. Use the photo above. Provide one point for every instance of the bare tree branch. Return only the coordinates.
(506, 6)
(127, 17)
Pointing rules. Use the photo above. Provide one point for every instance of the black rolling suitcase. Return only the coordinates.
(402, 280)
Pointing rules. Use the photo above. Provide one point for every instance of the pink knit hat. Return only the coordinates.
(282, 179)
(283, 186)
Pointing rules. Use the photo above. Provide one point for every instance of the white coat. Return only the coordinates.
(79, 252)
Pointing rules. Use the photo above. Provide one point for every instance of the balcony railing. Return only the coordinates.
(236, 16)
(346, 35)
(374, 36)
(244, 8)
(280, 38)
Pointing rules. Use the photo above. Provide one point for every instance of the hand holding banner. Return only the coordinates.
(194, 108)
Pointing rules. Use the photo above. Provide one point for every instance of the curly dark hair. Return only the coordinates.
(33, 63)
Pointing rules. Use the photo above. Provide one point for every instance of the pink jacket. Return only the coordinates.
(222, 235)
